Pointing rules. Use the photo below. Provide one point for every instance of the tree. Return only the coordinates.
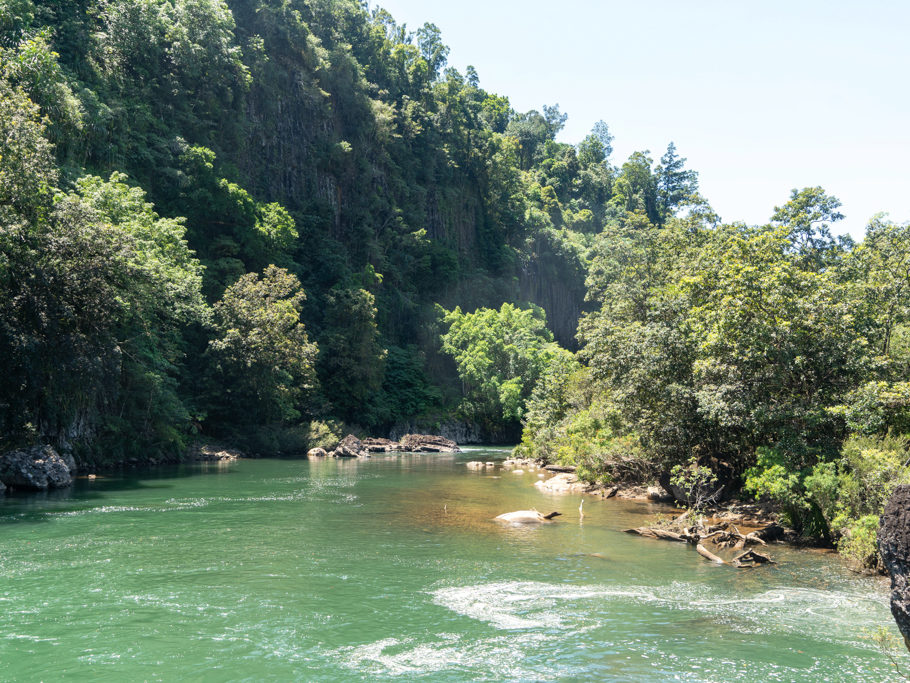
(352, 358)
(675, 185)
(635, 188)
(597, 147)
(28, 174)
(807, 217)
(556, 120)
(262, 362)
(96, 298)
(780, 347)
(637, 342)
(432, 49)
(883, 277)
(499, 356)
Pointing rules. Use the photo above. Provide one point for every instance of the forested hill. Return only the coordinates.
(158, 157)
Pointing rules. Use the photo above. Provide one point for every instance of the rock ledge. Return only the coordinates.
(894, 547)
(37, 468)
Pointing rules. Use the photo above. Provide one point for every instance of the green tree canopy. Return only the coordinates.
(499, 355)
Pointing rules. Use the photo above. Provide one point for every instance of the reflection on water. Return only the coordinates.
(393, 568)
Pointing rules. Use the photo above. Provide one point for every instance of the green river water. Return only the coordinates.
(392, 568)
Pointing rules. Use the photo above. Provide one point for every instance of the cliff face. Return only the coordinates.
(367, 156)
(894, 546)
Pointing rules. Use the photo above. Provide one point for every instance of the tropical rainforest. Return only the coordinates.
(268, 221)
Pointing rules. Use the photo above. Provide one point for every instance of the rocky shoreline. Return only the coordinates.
(750, 515)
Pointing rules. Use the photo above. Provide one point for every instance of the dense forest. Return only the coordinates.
(266, 221)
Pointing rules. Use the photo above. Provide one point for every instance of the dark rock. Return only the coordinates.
(350, 447)
(894, 547)
(428, 443)
(69, 460)
(35, 469)
(772, 532)
(659, 495)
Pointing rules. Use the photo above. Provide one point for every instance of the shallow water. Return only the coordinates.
(392, 568)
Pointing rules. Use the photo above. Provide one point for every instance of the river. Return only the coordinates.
(393, 569)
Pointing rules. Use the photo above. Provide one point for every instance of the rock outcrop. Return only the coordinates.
(36, 469)
(213, 452)
(456, 430)
(428, 443)
(894, 547)
(380, 445)
(350, 447)
(565, 482)
(316, 453)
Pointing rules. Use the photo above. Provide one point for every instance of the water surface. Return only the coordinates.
(393, 569)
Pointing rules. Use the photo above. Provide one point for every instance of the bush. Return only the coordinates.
(324, 434)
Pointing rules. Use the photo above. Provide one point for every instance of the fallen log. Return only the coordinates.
(669, 535)
(755, 538)
(708, 555)
(641, 531)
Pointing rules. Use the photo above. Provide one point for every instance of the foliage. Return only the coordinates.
(696, 482)
(499, 356)
(324, 434)
(262, 362)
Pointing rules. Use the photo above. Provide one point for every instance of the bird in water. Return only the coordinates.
(581, 512)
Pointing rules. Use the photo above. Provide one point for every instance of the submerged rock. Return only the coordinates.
(36, 469)
(894, 547)
(526, 517)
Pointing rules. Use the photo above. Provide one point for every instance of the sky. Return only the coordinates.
(760, 97)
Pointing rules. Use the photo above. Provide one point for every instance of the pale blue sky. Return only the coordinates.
(761, 97)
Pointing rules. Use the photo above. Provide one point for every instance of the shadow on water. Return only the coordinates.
(18, 506)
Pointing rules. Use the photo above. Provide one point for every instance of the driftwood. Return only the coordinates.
(669, 535)
(723, 535)
(708, 555)
(642, 531)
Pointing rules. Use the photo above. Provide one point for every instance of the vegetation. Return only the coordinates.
(772, 356)
(254, 150)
